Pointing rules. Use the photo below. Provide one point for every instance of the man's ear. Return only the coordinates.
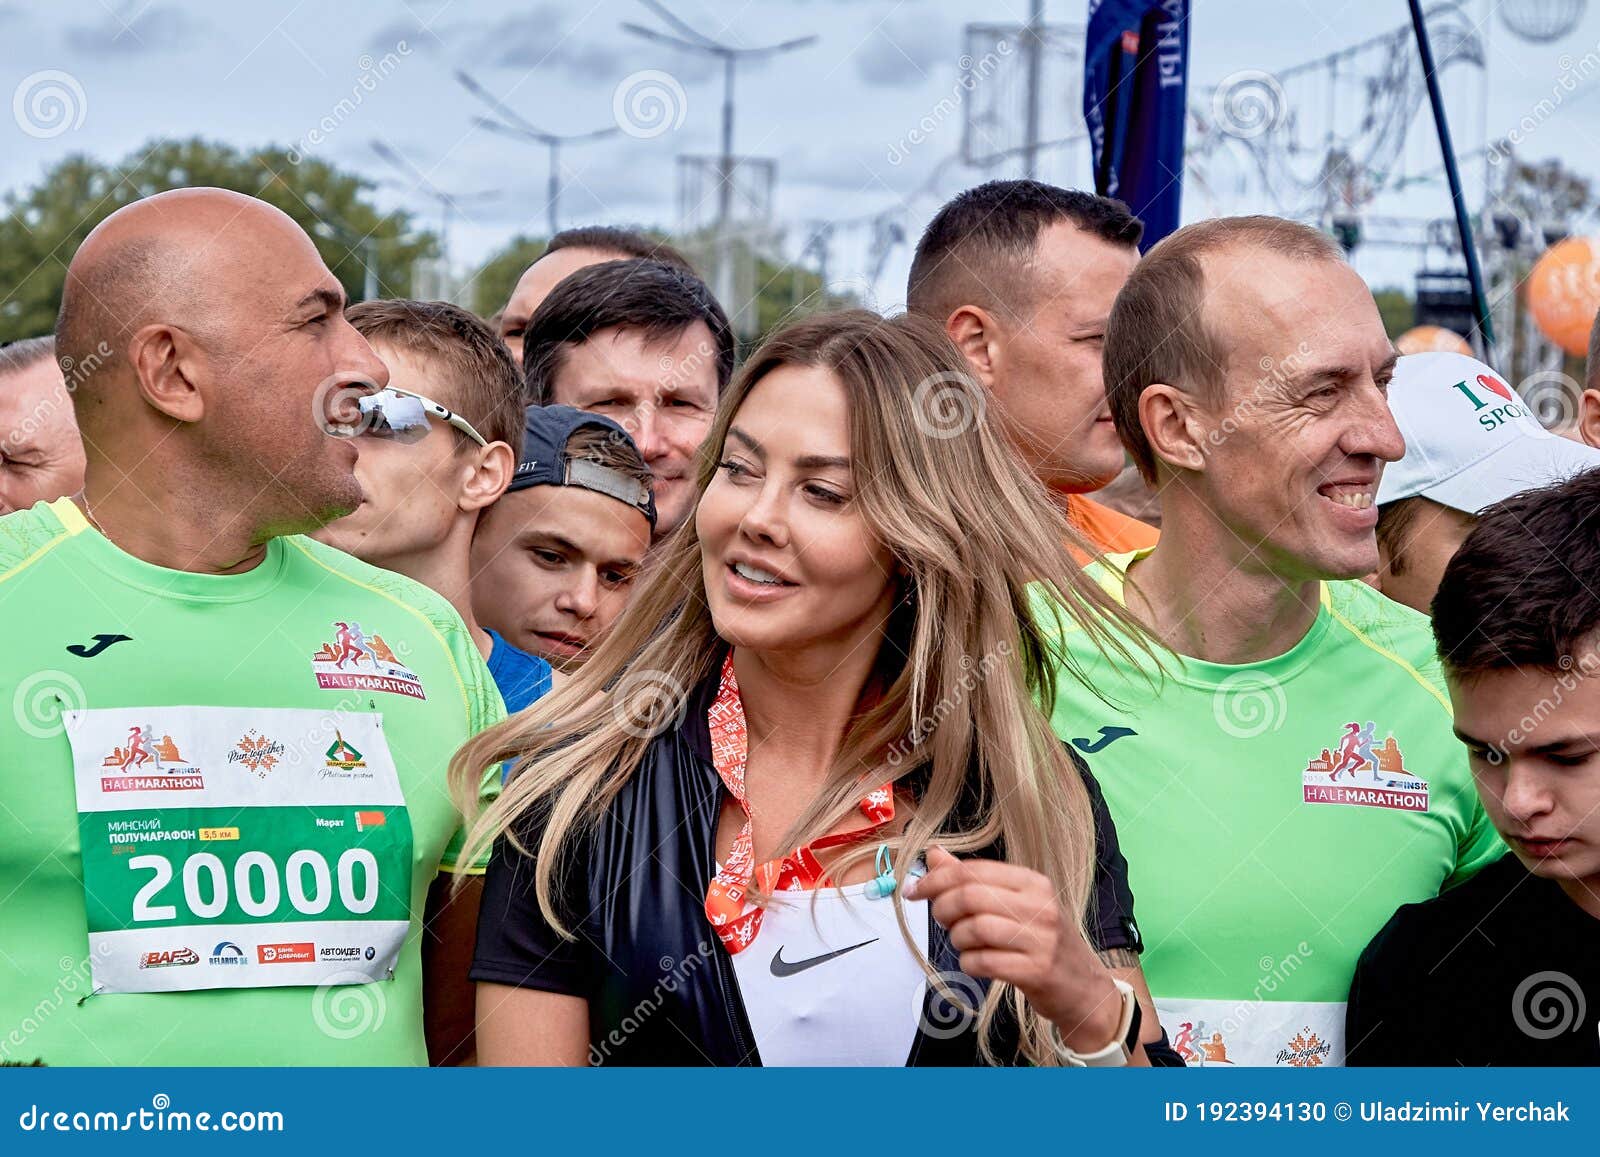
(1173, 427)
(1589, 417)
(979, 339)
(492, 468)
(166, 360)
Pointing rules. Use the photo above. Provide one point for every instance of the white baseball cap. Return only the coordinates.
(1471, 440)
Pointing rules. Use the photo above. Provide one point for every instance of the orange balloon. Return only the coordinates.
(1432, 339)
(1564, 292)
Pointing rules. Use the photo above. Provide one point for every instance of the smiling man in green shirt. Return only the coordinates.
(1281, 767)
(224, 772)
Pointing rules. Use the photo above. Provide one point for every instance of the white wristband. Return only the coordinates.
(1114, 1055)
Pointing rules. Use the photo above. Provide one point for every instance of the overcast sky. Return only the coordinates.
(867, 121)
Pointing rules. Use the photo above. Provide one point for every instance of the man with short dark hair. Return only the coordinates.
(554, 559)
(427, 495)
(41, 455)
(1022, 275)
(645, 344)
(225, 791)
(567, 252)
(1283, 773)
(1505, 970)
(1471, 441)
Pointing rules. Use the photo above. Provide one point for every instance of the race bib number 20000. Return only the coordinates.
(230, 847)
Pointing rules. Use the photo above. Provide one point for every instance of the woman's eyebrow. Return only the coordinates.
(750, 443)
(822, 462)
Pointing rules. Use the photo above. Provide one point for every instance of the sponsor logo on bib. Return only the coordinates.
(342, 755)
(286, 953)
(169, 958)
(228, 953)
(1304, 1050)
(257, 752)
(146, 763)
(1360, 773)
(353, 660)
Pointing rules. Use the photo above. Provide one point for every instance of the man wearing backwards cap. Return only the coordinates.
(1470, 442)
(554, 559)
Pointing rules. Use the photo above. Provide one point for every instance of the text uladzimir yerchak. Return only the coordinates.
(1477, 1111)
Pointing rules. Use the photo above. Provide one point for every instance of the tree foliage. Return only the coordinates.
(43, 226)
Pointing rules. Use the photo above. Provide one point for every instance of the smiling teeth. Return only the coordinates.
(754, 575)
(1355, 499)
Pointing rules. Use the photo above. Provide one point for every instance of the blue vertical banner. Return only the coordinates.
(1135, 86)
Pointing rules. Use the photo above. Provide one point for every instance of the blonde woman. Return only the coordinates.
(802, 806)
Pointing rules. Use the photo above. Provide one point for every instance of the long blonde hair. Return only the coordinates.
(965, 663)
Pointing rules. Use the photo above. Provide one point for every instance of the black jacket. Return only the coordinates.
(660, 988)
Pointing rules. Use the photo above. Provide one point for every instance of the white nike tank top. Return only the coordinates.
(833, 983)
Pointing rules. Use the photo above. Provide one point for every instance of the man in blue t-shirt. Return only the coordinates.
(455, 402)
(553, 561)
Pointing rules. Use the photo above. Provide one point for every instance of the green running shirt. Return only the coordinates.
(223, 799)
(1275, 814)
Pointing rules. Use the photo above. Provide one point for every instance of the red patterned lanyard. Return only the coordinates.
(735, 921)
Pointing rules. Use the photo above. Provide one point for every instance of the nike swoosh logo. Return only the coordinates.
(101, 642)
(782, 967)
(1108, 736)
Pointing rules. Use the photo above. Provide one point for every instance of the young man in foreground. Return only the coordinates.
(1505, 969)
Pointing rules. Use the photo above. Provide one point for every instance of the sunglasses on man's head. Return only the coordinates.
(407, 417)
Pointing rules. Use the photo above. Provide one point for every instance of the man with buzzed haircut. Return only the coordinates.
(567, 252)
(1022, 275)
(289, 841)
